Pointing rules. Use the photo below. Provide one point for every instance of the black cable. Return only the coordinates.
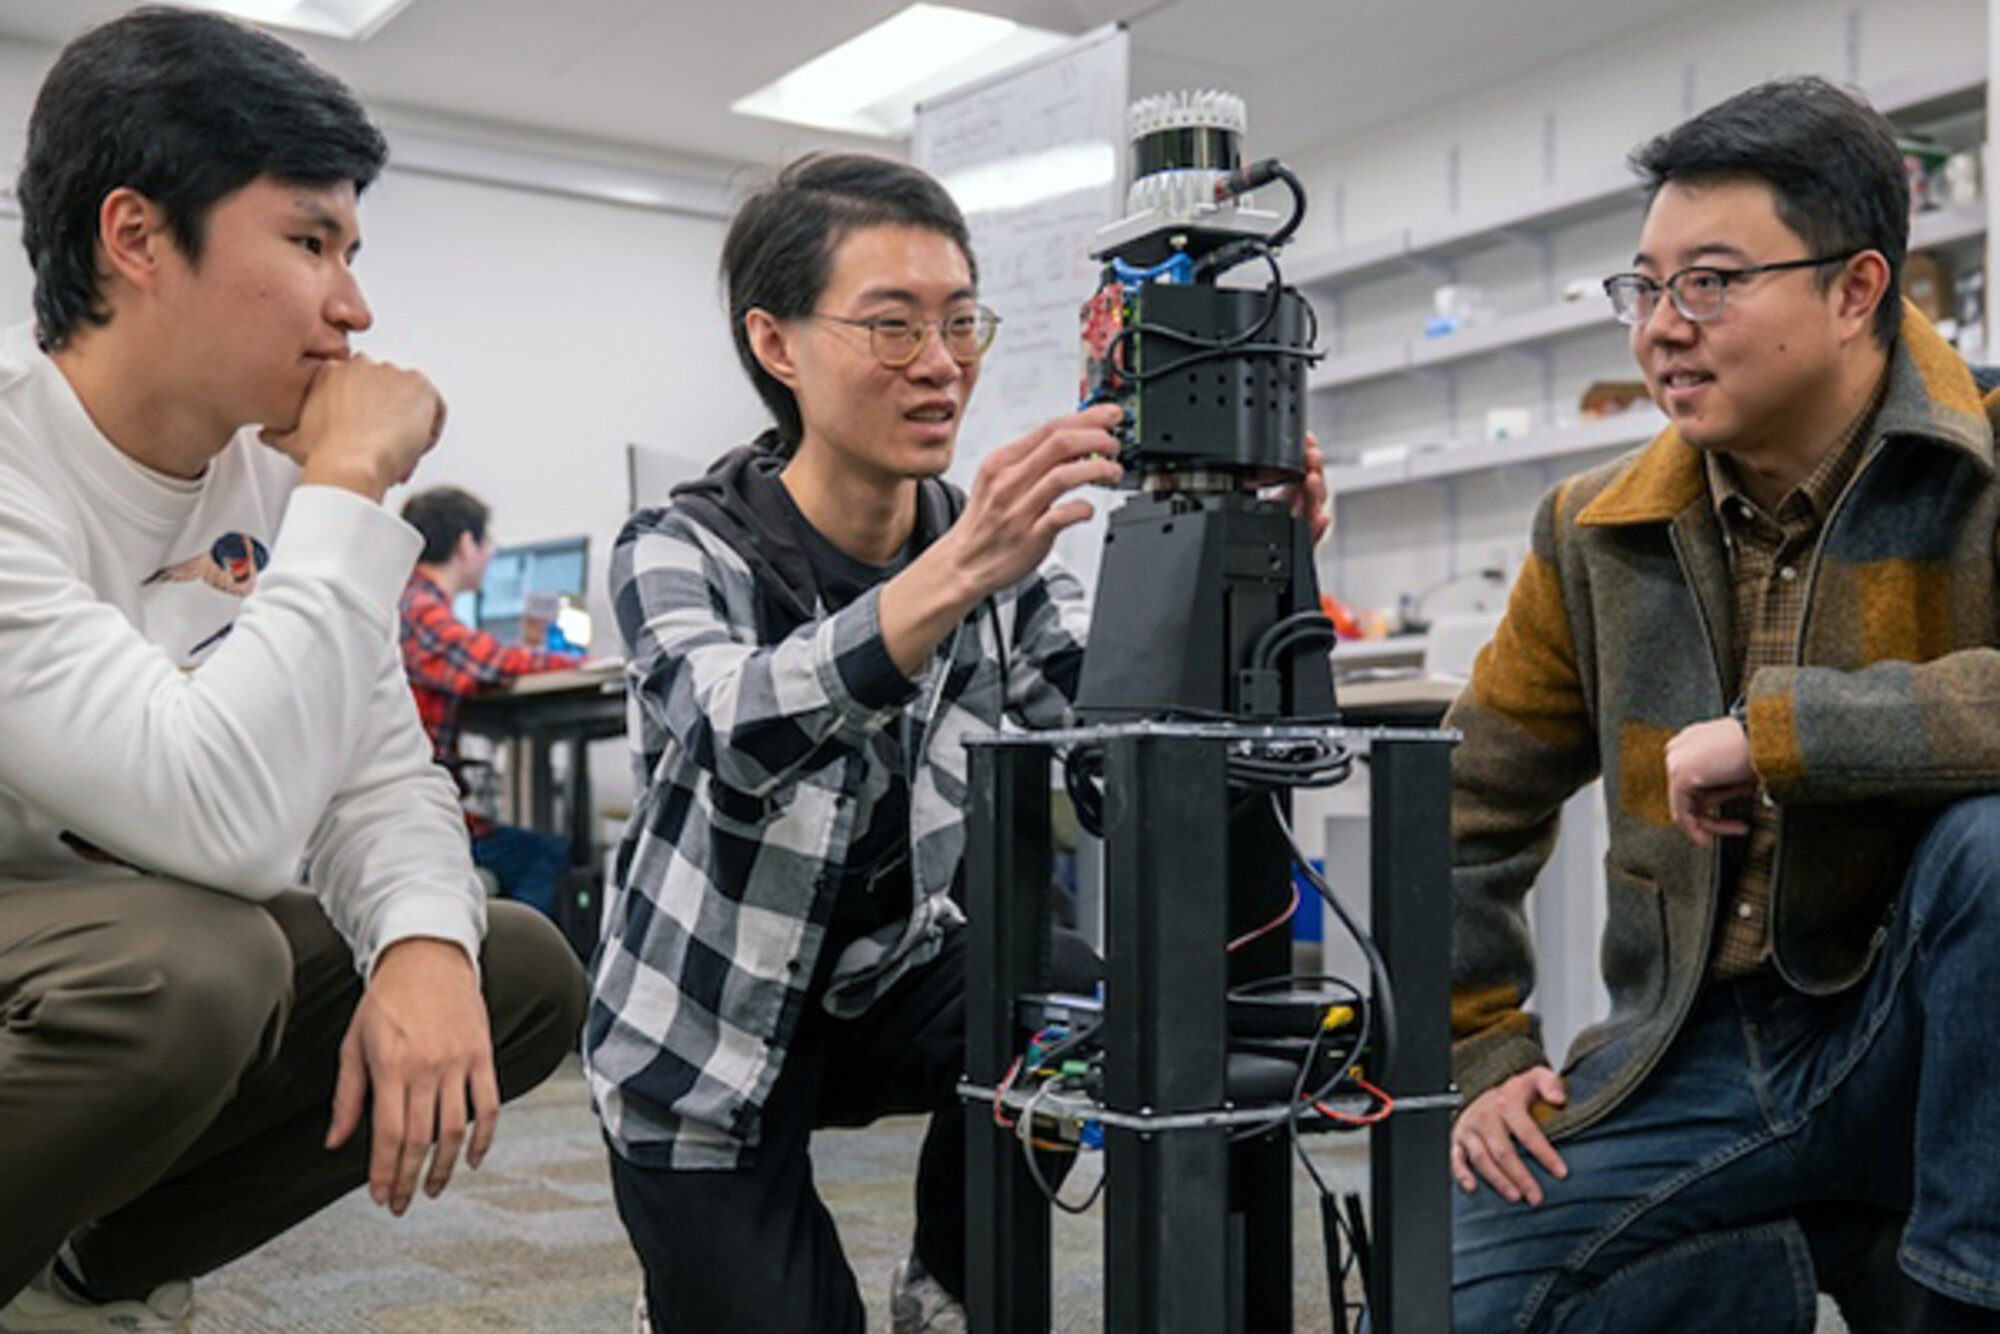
(1378, 971)
(1336, 1263)
(1305, 354)
(1311, 763)
(1333, 1228)
(1301, 1101)
(1024, 1133)
(1274, 297)
(1245, 179)
(1258, 986)
(1024, 1119)
(1211, 347)
(1290, 634)
(1213, 266)
(1300, 637)
(1298, 190)
(1357, 1231)
(1083, 778)
(1305, 763)
(1263, 652)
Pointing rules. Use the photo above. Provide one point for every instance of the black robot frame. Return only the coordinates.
(1207, 694)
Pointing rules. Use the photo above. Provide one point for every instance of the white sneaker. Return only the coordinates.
(46, 1307)
(918, 1303)
(641, 1322)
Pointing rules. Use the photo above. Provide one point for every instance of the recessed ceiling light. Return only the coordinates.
(871, 84)
(354, 20)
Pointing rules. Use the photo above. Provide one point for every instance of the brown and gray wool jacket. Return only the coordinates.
(1617, 635)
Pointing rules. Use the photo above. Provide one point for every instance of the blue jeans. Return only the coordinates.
(526, 862)
(1680, 1208)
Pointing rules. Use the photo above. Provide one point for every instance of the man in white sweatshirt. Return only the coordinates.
(244, 962)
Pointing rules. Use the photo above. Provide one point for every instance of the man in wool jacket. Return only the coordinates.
(1771, 633)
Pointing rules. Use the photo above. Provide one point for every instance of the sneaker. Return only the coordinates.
(918, 1303)
(45, 1306)
(641, 1322)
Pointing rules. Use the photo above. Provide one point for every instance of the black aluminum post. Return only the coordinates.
(1007, 904)
(1410, 905)
(1260, 1169)
(1166, 864)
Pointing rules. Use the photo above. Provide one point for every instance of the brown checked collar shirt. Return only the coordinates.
(1770, 560)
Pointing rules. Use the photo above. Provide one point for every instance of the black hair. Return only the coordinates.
(1830, 160)
(443, 514)
(185, 108)
(778, 256)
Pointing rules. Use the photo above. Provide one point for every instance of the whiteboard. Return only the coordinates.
(1036, 158)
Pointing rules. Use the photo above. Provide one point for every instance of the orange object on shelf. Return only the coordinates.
(1345, 623)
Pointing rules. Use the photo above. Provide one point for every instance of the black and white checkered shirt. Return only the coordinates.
(759, 739)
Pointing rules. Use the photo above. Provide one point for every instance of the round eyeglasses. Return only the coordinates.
(898, 340)
(1698, 291)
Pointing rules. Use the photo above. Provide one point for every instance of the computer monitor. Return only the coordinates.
(561, 566)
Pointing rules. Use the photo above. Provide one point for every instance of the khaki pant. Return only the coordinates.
(167, 1062)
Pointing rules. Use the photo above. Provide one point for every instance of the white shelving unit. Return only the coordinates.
(1451, 458)
(1516, 331)
(1935, 95)
(1541, 325)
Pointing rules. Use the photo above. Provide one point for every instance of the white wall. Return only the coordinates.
(1567, 120)
(559, 331)
(21, 70)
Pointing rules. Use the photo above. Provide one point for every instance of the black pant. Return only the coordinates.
(755, 1250)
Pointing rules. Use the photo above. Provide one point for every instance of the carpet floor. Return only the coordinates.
(530, 1243)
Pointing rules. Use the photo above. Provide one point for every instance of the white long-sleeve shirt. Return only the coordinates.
(193, 690)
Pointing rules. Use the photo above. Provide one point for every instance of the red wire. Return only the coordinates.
(1270, 926)
(1385, 1105)
(1000, 1095)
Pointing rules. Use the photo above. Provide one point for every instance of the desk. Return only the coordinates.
(1404, 701)
(538, 713)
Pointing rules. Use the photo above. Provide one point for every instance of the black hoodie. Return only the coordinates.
(741, 499)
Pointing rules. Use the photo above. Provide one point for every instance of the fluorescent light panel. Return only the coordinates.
(353, 20)
(871, 84)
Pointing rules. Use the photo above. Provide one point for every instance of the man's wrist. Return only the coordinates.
(438, 946)
(345, 474)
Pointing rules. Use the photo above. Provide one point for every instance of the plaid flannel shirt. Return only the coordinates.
(750, 747)
(446, 660)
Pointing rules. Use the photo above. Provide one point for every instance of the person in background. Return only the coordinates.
(245, 963)
(1772, 632)
(811, 629)
(446, 660)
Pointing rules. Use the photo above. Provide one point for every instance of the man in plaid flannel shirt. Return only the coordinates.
(811, 631)
(446, 660)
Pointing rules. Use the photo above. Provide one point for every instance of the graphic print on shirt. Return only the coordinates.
(230, 565)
